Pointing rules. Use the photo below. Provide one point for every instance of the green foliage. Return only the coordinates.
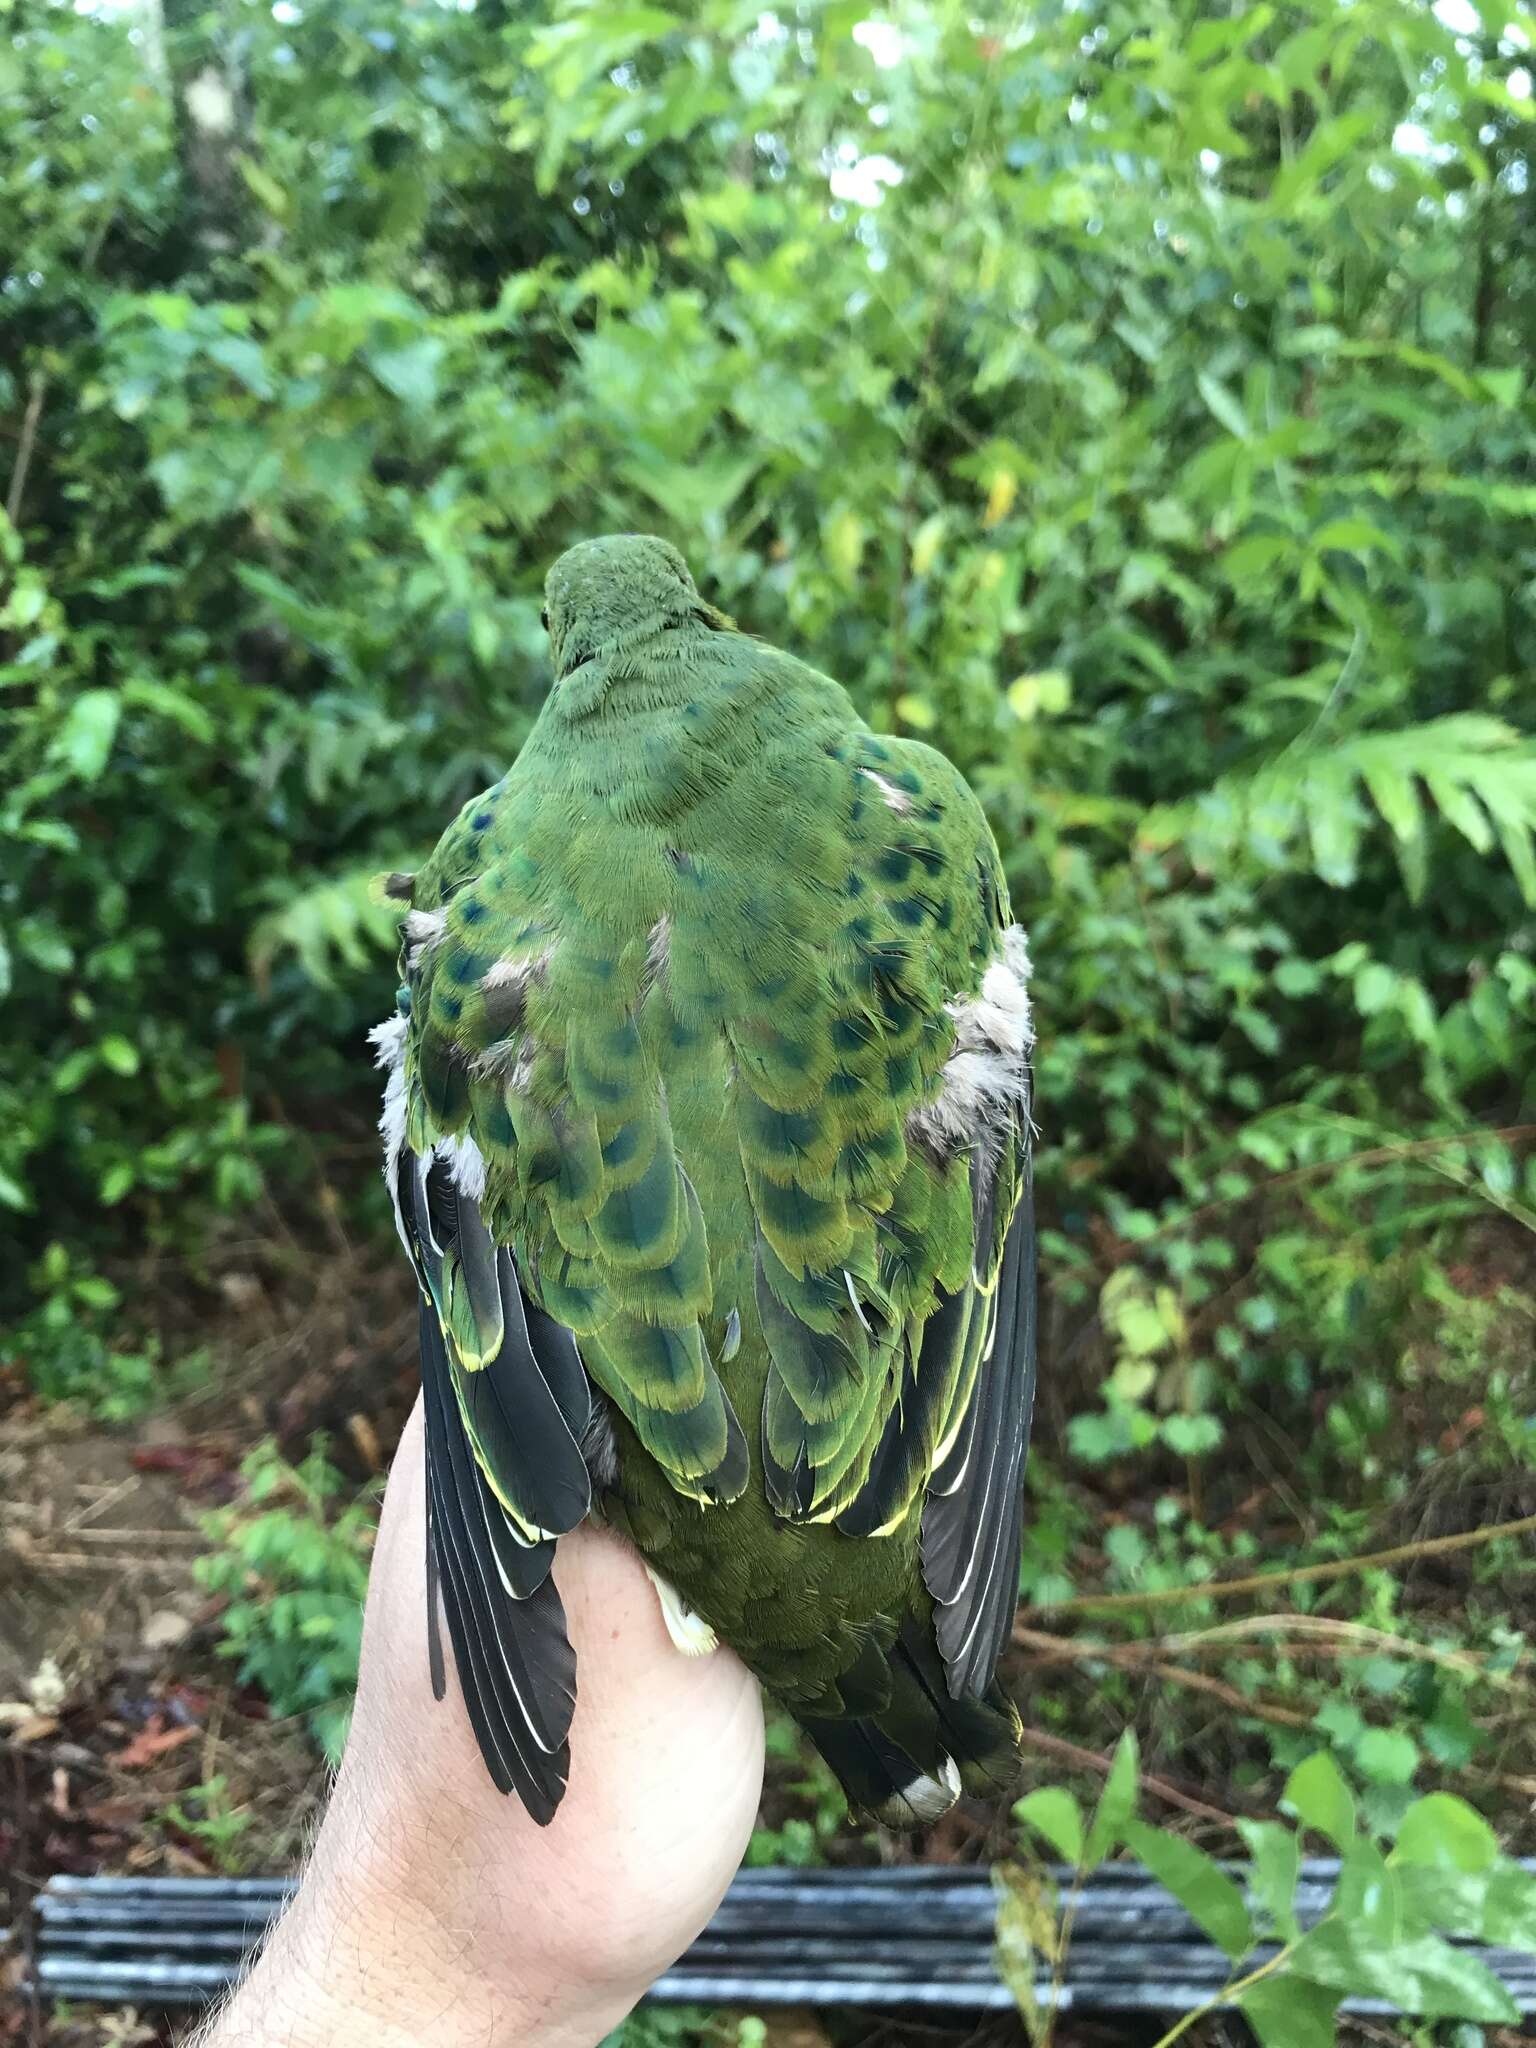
(74, 1349)
(1384, 1932)
(683, 2026)
(1164, 473)
(1154, 435)
(294, 1573)
(205, 1813)
(330, 929)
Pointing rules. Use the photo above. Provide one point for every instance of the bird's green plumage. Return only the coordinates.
(686, 981)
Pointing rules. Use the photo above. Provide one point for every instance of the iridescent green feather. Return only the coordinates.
(691, 1042)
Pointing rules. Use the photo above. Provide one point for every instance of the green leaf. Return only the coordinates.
(1295, 977)
(84, 741)
(1435, 1899)
(844, 536)
(243, 359)
(1276, 1853)
(74, 1070)
(1192, 1436)
(1317, 1794)
(1223, 405)
(1117, 1802)
(1509, 1913)
(917, 712)
(1287, 2012)
(1480, 773)
(1353, 536)
(176, 705)
(1423, 1976)
(1368, 1894)
(1199, 1884)
(1387, 1756)
(119, 1053)
(1444, 1831)
(331, 926)
(266, 190)
(409, 370)
(1045, 693)
(1054, 1813)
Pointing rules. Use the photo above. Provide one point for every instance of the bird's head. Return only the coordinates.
(604, 594)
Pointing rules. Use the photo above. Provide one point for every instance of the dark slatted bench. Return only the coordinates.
(917, 1937)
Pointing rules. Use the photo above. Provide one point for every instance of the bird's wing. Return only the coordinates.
(507, 1405)
(883, 1117)
(558, 1244)
(542, 1062)
(973, 1517)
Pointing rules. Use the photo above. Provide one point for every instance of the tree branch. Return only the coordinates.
(1303, 1575)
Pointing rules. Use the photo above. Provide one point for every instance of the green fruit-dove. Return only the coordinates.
(707, 1126)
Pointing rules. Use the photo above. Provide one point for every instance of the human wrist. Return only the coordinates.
(376, 1953)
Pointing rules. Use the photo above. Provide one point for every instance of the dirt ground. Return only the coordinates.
(114, 1704)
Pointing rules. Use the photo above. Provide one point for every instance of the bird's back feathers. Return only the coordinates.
(710, 1111)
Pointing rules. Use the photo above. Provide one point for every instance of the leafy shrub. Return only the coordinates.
(205, 1814)
(74, 1348)
(295, 1572)
(1385, 1932)
(1157, 439)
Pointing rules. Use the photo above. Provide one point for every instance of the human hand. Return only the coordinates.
(434, 1911)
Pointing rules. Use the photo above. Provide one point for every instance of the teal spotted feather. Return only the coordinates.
(708, 1127)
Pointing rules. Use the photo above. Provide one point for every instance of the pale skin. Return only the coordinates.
(434, 1912)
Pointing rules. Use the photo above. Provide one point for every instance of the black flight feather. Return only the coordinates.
(517, 1670)
(973, 1520)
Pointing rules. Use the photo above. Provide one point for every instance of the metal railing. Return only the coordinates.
(917, 1937)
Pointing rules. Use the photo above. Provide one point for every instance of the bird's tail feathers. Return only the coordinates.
(906, 1763)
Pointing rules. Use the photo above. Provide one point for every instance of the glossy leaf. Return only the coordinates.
(1117, 1802)
(1276, 1854)
(1317, 1794)
(1198, 1882)
(1442, 1830)
(1055, 1814)
(1288, 2012)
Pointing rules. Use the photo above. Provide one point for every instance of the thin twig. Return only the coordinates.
(1090, 1760)
(1238, 1703)
(1143, 1657)
(1229, 1994)
(109, 1497)
(1202, 1681)
(44, 1559)
(1344, 1637)
(36, 391)
(1302, 1575)
(1054, 1649)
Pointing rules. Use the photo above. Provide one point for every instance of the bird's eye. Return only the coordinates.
(544, 620)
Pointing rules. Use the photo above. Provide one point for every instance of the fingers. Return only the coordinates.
(666, 1767)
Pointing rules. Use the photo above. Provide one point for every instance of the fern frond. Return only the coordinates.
(330, 927)
(1317, 803)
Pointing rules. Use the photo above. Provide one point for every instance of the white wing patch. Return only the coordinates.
(388, 1042)
(924, 1800)
(466, 1165)
(462, 1156)
(893, 798)
(987, 1073)
(423, 930)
